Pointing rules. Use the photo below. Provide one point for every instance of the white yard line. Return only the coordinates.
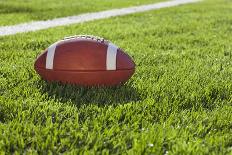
(39, 25)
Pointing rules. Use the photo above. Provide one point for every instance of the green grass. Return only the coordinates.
(178, 102)
(14, 12)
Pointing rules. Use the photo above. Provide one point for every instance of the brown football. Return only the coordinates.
(86, 61)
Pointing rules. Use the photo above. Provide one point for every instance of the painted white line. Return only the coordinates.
(39, 25)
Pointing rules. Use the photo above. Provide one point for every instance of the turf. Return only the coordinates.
(14, 12)
(178, 102)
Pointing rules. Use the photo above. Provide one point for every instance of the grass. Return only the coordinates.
(178, 102)
(14, 12)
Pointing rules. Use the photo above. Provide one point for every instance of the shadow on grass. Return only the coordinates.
(91, 95)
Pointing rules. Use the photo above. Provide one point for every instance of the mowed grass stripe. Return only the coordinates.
(39, 25)
(178, 101)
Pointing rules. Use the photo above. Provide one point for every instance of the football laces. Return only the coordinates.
(96, 38)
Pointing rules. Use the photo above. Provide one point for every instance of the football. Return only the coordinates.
(86, 61)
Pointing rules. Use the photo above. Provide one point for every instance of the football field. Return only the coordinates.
(179, 101)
